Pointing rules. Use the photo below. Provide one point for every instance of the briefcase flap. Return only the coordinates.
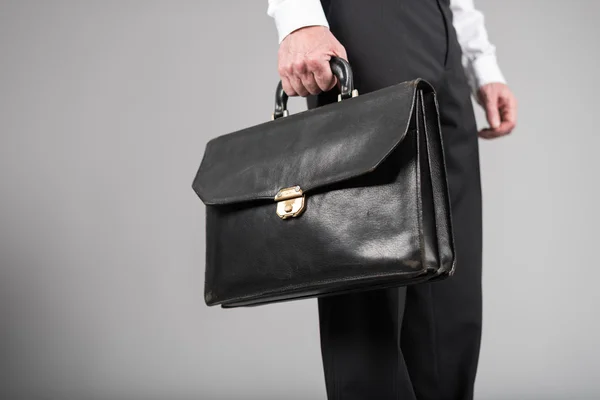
(310, 149)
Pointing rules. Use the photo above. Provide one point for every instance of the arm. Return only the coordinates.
(291, 15)
(479, 55)
(306, 46)
(481, 68)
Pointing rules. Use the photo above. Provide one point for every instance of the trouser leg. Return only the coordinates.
(360, 346)
(441, 331)
(421, 341)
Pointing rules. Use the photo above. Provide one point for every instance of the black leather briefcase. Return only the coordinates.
(346, 197)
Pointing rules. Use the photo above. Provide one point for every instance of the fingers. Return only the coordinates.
(287, 87)
(307, 77)
(501, 110)
(292, 84)
(303, 74)
(323, 76)
(508, 110)
(304, 57)
(296, 83)
(322, 71)
(506, 126)
(340, 51)
(302, 78)
(491, 111)
(285, 71)
(491, 133)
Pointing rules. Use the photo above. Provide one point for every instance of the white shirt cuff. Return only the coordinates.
(486, 70)
(290, 15)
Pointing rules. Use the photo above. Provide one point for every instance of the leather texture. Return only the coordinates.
(377, 210)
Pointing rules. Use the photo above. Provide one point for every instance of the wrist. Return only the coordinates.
(486, 70)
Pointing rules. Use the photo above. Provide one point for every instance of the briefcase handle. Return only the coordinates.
(342, 71)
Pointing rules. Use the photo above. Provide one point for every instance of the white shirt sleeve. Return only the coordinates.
(479, 55)
(290, 15)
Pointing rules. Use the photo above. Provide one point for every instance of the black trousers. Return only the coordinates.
(419, 342)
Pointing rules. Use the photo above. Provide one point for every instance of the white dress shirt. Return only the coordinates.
(479, 55)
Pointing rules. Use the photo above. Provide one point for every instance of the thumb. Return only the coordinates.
(492, 112)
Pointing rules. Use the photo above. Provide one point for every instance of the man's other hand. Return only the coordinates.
(500, 108)
(304, 60)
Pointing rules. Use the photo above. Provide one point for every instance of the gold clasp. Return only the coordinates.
(290, 202)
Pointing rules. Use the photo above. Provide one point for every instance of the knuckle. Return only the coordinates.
(288, 69)
(313, 64)
(324, 86)
(314, 90)
(288, 89)
(303, 92)
(298, 66)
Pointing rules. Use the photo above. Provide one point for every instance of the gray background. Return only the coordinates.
(105, 108)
